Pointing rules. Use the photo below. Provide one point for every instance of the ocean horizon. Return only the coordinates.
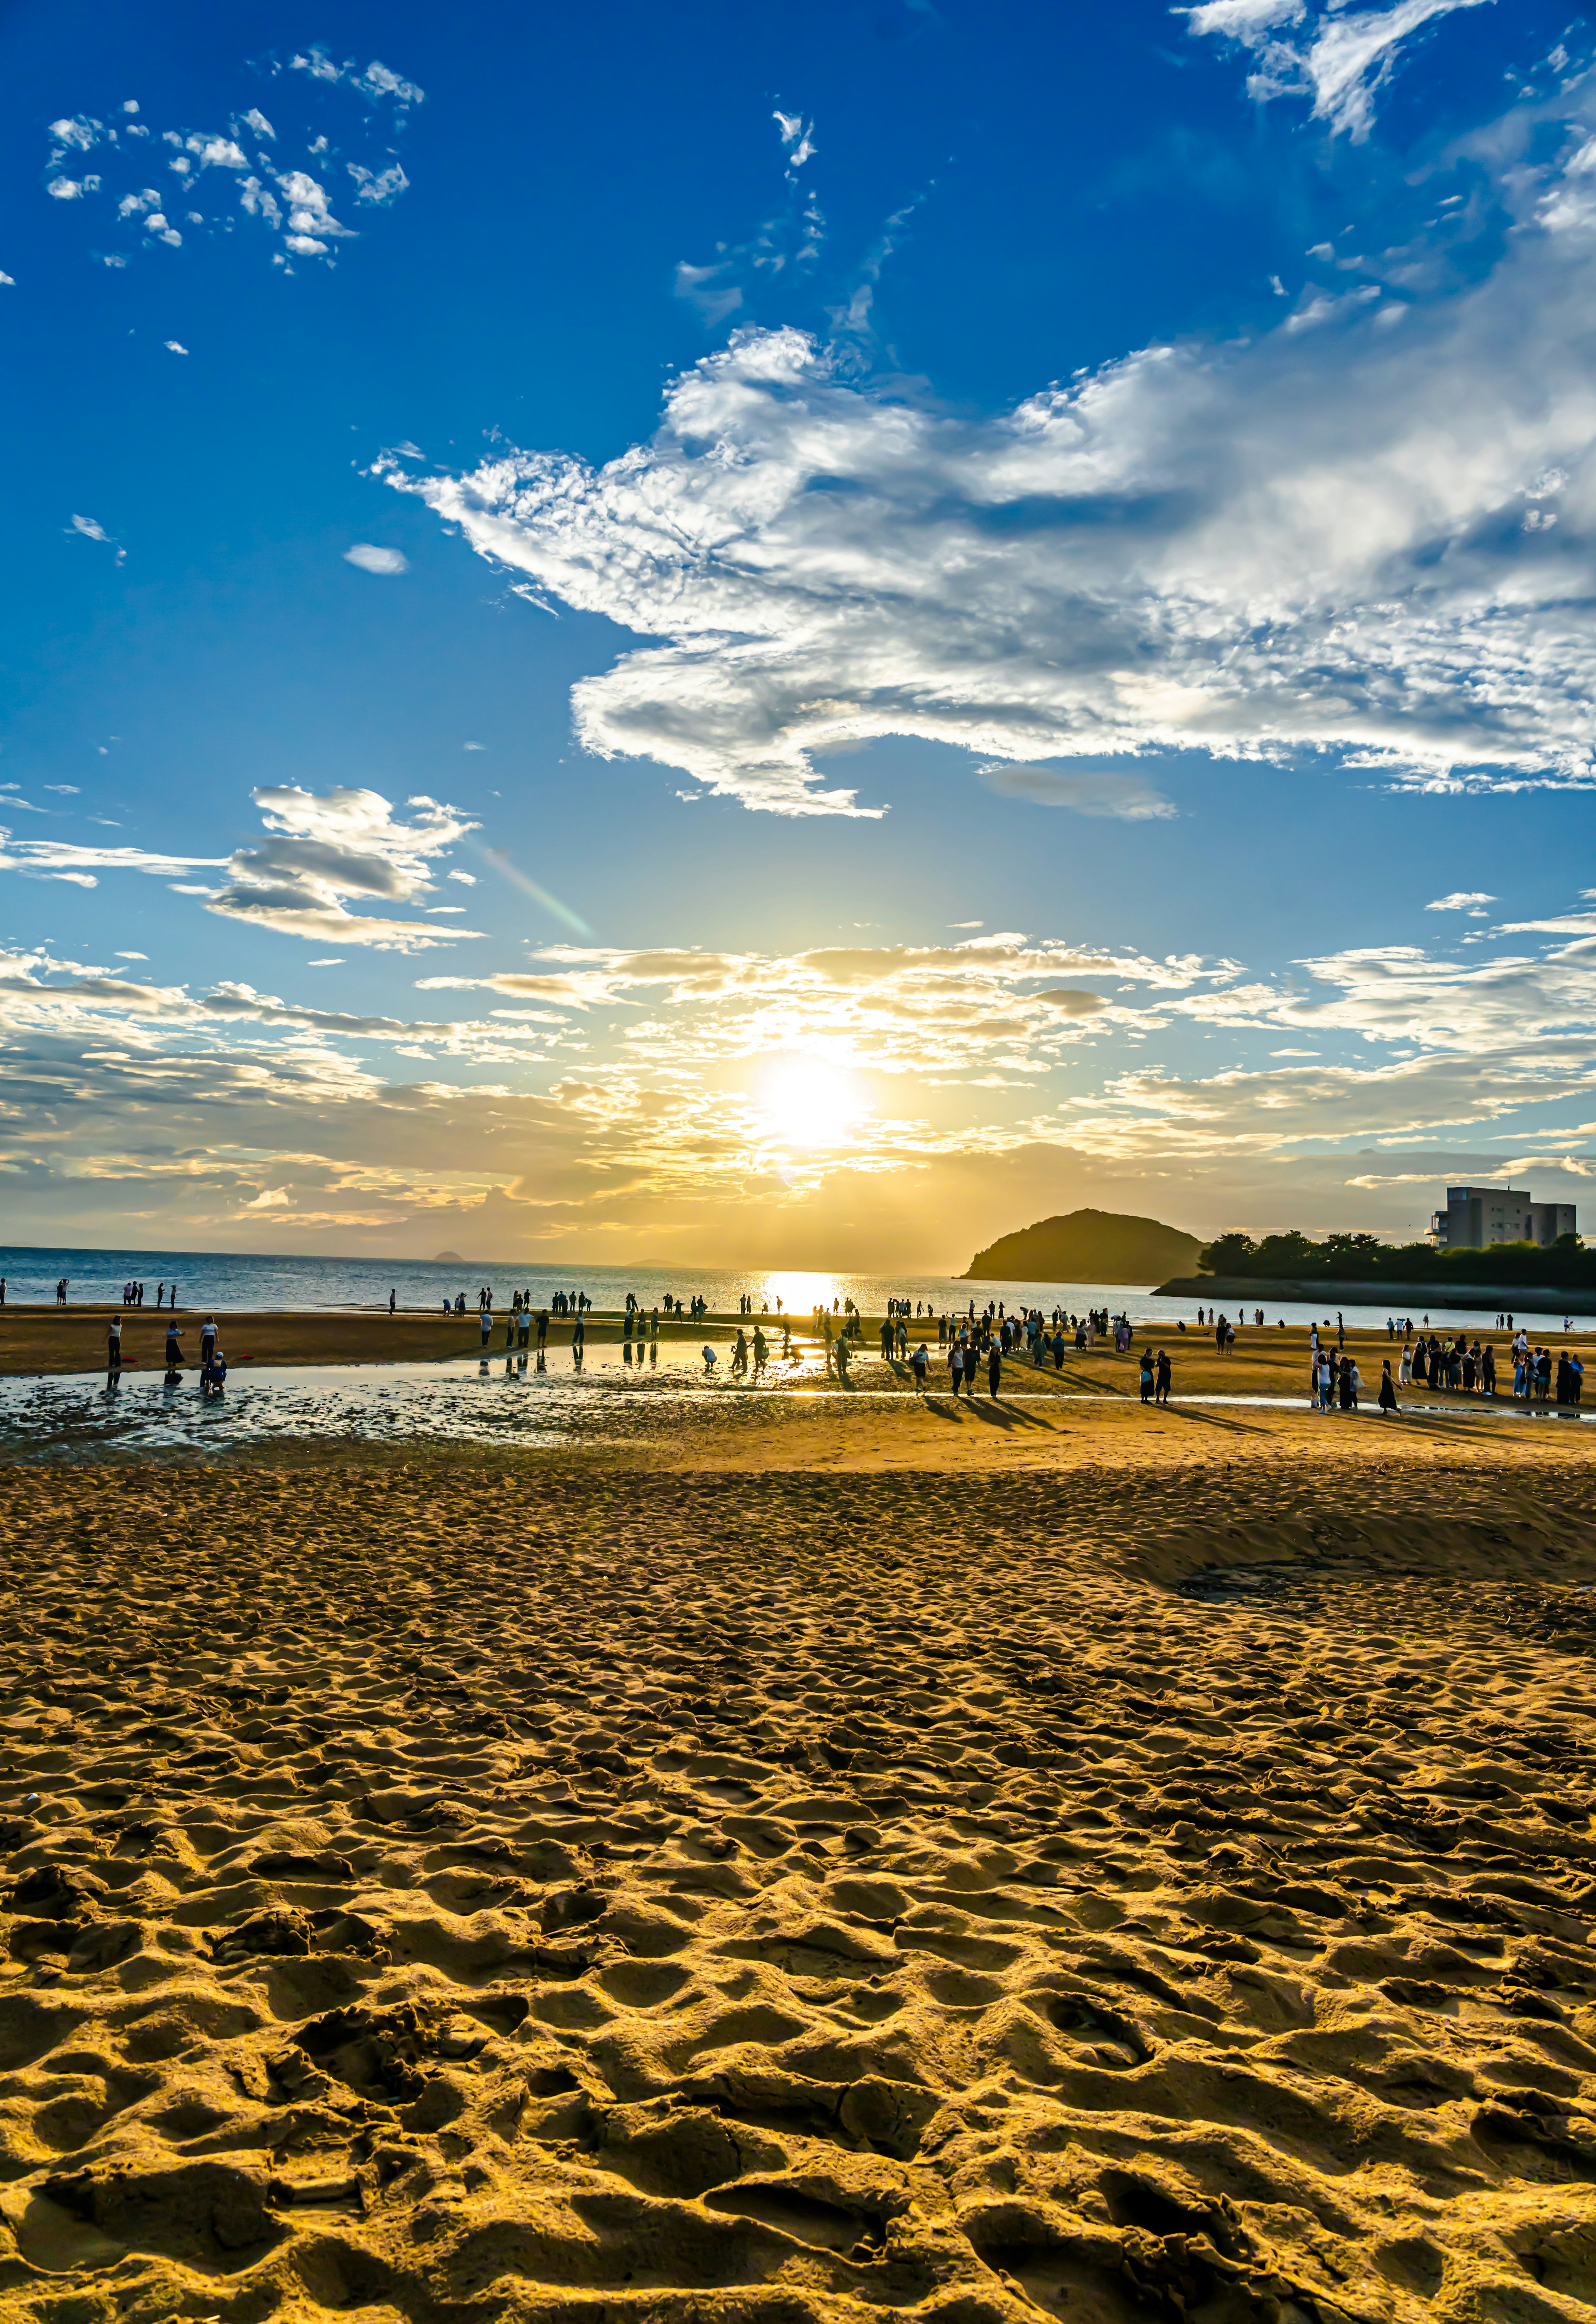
(255, 1281)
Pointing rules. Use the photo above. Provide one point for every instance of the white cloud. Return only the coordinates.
(259, 202)
(466, 879)
(63, 857)
(309, 215)
(292, 202)
(796, 135)
(375, 83)
(323, 849)
(382, 188)
(69, 790)
(217, 153)
(372, 560)
(1461, 899)
(80, 133)
(91, 529)
(1286, 543)
(173, 347)
(133, 956)
(1341, 58)
(1093, 790)
(8, 279)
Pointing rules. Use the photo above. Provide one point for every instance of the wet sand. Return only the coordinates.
(47, 1341)
(812, 1859)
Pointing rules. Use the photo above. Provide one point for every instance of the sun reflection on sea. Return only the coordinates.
(800, 1293)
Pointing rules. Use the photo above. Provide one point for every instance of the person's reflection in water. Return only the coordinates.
(482, 1369)
(653, 1352)
(542, 1359)
(575, 1355)
(626, 1347)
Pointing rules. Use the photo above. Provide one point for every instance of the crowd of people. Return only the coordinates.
(1463, 1365)
(975, 1343)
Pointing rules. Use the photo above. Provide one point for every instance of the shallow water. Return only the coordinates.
(494, 1400)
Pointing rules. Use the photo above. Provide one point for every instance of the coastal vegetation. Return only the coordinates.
(1296, 1257)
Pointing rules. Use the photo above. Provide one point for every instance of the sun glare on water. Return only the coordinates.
(807, 1104)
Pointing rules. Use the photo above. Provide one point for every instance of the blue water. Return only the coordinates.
(224, 1281)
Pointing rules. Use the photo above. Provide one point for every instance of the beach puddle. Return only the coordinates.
(495, 1399)
(1295, 1589)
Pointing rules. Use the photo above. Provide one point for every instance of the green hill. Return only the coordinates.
(1087, 1247)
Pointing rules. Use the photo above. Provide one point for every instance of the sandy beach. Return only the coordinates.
(826, 1861)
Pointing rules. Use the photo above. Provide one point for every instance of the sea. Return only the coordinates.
(250, 1281)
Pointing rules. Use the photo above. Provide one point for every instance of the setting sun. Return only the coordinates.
(810, 1104)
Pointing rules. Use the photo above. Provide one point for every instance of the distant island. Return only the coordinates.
(450, 1259)
(1086, 1246)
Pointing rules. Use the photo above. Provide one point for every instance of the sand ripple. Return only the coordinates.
(468, 1895)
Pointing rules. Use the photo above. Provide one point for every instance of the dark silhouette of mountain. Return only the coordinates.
(1087, 1247)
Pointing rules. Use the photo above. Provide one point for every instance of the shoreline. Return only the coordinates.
(1412, 1297)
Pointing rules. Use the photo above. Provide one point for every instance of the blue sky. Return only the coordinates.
(960, 591)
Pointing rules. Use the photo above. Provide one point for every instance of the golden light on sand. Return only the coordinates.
(808, 1104)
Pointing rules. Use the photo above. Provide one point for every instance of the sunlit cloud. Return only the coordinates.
(1288, 542)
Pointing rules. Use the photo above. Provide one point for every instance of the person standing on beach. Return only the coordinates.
(207, 1340)
(174, 1353)
(1387, 1394)
(955, 1365)
(1146, 1376)
(1164, 1368)
(994, 1370)
(392, 1301)
(484, 1317)
(113, 1355)
(920, 1365)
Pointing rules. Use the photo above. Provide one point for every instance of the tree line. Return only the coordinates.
(1364, 1258)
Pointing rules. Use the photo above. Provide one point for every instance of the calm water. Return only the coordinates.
(233, 1280)
(504, 1402)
